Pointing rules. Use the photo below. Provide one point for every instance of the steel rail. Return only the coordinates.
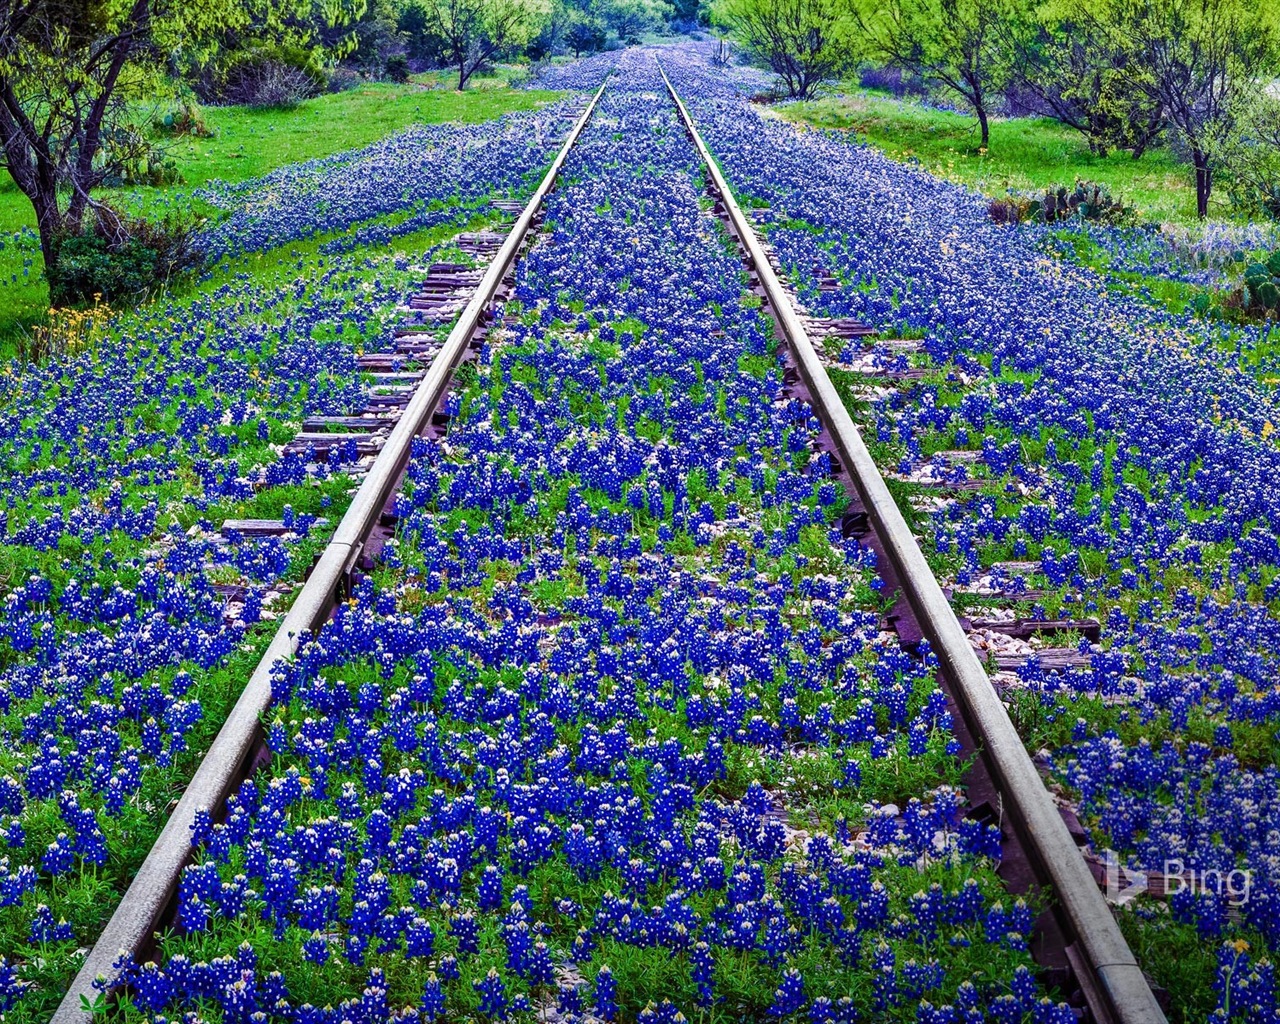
(1116, 977)
(149, 893)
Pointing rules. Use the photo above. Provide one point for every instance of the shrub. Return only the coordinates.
(121, 259)
(344, 79)
(267, 77)
(890, 79)
(271, 86)
(396, 67)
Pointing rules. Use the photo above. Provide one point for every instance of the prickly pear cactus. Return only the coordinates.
(1262, 284)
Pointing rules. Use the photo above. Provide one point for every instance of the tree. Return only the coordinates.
(630, 18)
(66, 67)
(550, 38)
(472, 33)
(1201, 61)
(953, 42)
(803, 42)
(1080, 79)
(585, 34)
(1249, 158)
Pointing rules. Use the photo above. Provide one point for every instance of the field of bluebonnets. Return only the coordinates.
(129, 624)
(1128, 452)
(613, 733)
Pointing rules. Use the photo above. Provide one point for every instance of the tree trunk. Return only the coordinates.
(462, 76)
(52, 225)
(983, 123)
(1204, 182)
(49, 222)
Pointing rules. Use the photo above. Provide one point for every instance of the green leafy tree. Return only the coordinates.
(1249, 157)
(67, 67)
(956, 43)
(551, 36)
(472, 33)
(1202, 61)
(630, 18)
(803, 42)
(1080, 77)
(585, 34)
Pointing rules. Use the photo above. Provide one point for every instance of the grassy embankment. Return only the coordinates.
(1026, 153)
(249, 143)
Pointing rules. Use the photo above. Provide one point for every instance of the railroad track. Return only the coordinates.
(1079, 933)
(231, 756)
(1078, 938)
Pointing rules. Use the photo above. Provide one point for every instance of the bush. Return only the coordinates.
(342, 79)
(886, 78)
(272, 86)
(121, 259)
(396, 67)
(263, 76)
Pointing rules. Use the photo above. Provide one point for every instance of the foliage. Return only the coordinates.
(1079, 76)
(953, 42)
(803, 42)
(585, 33)
(397, 68)
(122, 259)
(1249, 158)
(263, 75)
(1200, 61)
(472, 33)
(377, 39)
(66, 70)
(629, 19)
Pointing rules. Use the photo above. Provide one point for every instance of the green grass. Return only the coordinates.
(249, 143)
(1025, 153)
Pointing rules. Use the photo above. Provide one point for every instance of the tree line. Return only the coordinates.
(1125, 74)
